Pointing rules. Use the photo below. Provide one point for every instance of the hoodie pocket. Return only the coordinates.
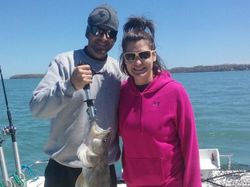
(143, 171)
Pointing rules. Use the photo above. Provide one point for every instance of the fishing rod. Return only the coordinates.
(91, 108)
(11, 130)
(6, 181)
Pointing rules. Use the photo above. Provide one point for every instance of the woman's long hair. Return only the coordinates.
(136, 29)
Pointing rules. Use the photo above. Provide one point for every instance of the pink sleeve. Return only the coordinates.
(189, 141)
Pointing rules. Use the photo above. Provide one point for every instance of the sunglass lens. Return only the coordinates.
(95, 31)
(100, 32)
(111, 34)
(129, 56)
(144, 55)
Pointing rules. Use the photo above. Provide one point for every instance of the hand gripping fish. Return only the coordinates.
(94, 154)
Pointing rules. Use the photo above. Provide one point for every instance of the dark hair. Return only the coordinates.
(139, 28)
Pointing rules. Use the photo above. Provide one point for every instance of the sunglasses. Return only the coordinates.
(96, 31)
(130, 57)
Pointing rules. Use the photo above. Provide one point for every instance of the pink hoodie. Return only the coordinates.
(157, 126)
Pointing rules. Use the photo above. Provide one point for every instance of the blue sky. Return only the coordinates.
(188, 33)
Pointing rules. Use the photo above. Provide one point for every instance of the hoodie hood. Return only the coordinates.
(156, 84)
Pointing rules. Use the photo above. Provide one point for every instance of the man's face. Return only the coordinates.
(100, 41)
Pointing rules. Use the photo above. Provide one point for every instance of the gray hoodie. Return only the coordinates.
(55, 98)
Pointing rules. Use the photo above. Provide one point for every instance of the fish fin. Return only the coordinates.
(82, 153)
(79, 180)
(88, 158)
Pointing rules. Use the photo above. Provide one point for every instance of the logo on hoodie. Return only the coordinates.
(156, 103)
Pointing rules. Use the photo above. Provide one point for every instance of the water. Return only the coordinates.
(221, 102)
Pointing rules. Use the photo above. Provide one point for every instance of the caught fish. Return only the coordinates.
(94, 156)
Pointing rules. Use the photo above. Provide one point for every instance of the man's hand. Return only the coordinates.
(82, 75)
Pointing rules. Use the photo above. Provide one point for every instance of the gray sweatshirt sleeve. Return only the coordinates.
(54, 91)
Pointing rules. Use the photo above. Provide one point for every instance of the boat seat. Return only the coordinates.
(209, 160)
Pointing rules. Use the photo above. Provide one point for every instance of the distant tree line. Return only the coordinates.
(212, 68)
(26, 76)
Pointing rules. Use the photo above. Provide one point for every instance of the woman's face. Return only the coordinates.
(139, 59)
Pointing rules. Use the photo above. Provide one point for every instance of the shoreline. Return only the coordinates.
(199, 68)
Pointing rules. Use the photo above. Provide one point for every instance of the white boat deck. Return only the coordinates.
(211, 173)
(229, 178)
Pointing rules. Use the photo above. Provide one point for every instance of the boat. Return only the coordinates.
(212, 173)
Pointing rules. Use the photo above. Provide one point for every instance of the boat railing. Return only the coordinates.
(228, 158)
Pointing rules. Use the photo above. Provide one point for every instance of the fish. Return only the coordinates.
(93, 153)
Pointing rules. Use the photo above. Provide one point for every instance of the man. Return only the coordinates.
(60, 96)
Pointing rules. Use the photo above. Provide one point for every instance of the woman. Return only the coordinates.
(156, 121)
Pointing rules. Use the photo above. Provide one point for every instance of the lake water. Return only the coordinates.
(221, 102)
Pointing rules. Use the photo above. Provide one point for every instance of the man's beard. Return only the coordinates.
(99, 49)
